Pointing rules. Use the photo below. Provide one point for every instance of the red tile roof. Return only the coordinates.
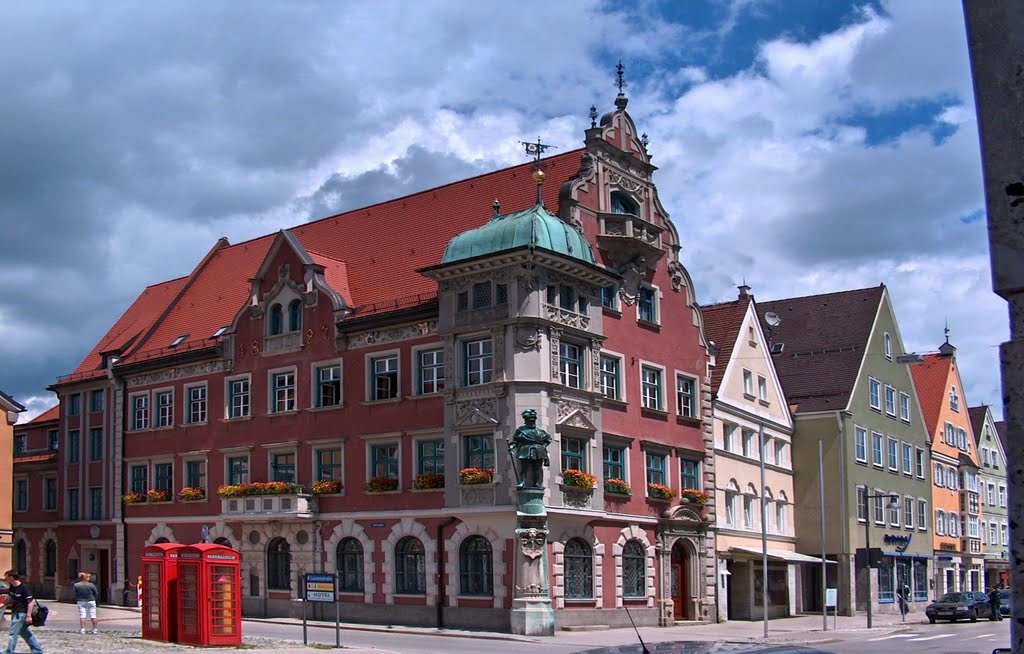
(1001, 431)
(931, 379)
(371, 253)
(824, 338)
(722, 324)
(53, 413)
(35, 458)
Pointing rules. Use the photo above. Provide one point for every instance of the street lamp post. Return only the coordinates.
(894, 502)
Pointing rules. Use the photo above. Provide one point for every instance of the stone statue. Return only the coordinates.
(530, 445)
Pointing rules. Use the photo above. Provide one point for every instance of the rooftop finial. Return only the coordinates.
(645, 141)
(593, 116)
(497, 207)
(535, 150)
(621, 100)
(945, 331)
(620, 74)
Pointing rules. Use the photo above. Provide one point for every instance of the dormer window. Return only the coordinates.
(295, 315)
(276, 320)
(178, 341)
(622, 203)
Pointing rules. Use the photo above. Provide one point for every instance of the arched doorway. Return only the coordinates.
(680, 582)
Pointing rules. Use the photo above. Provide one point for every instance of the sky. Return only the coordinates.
(803, 146)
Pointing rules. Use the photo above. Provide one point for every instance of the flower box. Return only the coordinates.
(578, 478)
(381, 485)
(327, 487)
(191, 494)
(660, 492)
(471, 476)
(155, 495)
(134, 498)
(617, 487)
(691, 496)
(427, 481)
(259, 488)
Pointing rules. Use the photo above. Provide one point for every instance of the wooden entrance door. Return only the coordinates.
(680, 583)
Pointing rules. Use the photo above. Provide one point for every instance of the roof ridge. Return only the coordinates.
(807, 297)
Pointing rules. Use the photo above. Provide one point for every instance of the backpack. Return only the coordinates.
(39, 615)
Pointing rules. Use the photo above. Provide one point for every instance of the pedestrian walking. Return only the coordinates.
(994, 601)
(21, 602)
(86, 595)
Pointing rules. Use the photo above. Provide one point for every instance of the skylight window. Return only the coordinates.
(178, 341)
(221, 331)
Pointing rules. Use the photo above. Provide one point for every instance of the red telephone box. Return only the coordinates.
(159, 588)
(209, 595)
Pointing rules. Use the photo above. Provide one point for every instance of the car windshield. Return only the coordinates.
(955, 597)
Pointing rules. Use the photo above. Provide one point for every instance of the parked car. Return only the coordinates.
(959, 606)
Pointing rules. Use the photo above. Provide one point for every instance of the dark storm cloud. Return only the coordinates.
(416, 171)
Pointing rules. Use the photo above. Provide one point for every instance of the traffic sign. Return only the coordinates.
(320, 588)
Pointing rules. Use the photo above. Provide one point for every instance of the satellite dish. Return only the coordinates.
(772, 319)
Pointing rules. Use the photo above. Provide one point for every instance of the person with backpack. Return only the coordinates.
(86, 595)
(21, 602)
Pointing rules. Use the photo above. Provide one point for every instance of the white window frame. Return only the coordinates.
(887, 345)
(464, 358)
(272, 375)
(909, 508)
(780, 453)
(694, 395)
(619, 376)
(920, 462)
(877, 439)
(954, 400)
(148, 420)
(892, 454)
(762, 388)
(922, 514)
(417, 358)
(748, 384)
(905, 407)
(874, 394)
(729, 430)
(907, 458)
(656, 296)
(1002, 495)
(862, 494)
(154, 414)
(186, 416)
(369, 361)
(661, 385)
(566, 375)
(940, 522)
(878, 507)
(860, 442)
(314, 383)
(939, 475)
(890, 407)
(228, 397)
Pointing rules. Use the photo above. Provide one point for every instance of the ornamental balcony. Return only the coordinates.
(270, 507)
(627, 237)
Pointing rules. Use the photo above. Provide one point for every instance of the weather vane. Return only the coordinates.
(535, 150)
(620, 82)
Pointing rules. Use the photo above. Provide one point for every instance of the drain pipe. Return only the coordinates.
(441, 596)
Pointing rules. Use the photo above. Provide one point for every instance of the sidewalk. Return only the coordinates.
(119, 633)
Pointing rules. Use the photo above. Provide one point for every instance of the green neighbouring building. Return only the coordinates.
(995, 537)
(838, 357)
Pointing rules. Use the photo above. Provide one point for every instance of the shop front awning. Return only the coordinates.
(778, 555)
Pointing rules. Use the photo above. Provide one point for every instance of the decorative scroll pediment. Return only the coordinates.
(575, 414)
(477, 412)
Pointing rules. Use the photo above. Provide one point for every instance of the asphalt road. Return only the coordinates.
(939, 638)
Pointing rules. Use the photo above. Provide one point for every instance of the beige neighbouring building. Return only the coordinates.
(10, 410)
(747, 397)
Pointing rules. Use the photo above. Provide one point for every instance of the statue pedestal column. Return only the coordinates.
(531, 607)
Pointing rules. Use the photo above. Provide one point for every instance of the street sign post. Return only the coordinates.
(321, 588)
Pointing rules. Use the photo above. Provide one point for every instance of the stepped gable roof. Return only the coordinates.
(372, 253)
(1001, 432)
(722, 324)
(977, 414)
(825, 338)
(930, 379)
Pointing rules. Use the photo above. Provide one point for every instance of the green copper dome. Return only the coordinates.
(533, 227)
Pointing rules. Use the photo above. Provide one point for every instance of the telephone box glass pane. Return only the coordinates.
(188, 587)
(223, 600)
(151, 591)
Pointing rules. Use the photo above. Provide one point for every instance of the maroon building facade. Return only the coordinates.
(344, 360)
